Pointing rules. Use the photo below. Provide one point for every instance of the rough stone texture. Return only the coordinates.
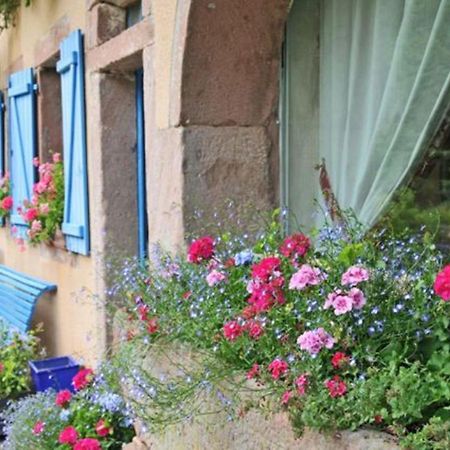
(230, 61)
(49, 113)
(105, 22)
(123, 52)
(46, 49)
(225, 163)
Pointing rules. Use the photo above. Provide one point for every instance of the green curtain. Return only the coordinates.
(384, 84)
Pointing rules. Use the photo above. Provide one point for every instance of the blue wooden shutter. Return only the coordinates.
(2, 143)
(76, 206)
(22, 141)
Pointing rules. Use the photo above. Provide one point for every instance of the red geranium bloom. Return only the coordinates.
(442, 283)
(201, 249)
(232, 330)
(143, 312)
(68, 436)
(278, 368)
(339, 359)
(31, 214)
(152, 325)
(336, 387)
(255, 329)
(301, 383)
(82, 378)
(87, 444)
(266, 268)
(186, 295)
(294, 246)
(253, 372)
(248, 312)
(63, 397)
(286, 397)
(102, 429)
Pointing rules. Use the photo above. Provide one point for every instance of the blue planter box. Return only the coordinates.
(56, 373)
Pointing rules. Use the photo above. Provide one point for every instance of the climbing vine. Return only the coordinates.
(8, 10)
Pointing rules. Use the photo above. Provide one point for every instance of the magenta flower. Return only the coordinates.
(358, 298)
(214, 277)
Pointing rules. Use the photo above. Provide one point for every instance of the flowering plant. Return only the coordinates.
(92, 418)
(44, 213)
(6, 201)
(16, 349)
(345, 333)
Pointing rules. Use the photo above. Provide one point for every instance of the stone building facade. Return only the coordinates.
(210, 101)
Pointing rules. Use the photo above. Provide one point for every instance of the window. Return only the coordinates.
(134, 14)
(364, 89)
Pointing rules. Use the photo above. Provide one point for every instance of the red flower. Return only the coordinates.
(278, 368)
(339, 360)
(7, 203)
(201, 249)
(230, 262)
(442, 283)
(2, 367)
(38, 428)
(87, 444)
(152, 325)
(286, 397)
(186, 295)
(68, 436)
(336, 387)
(294, 246)
(143, 312)
(30, 215)
(82, 378)
(248, 312)
(378, 418)
(301, 383)
(266, 268)
(255, 329)
(63, 397)
(232, 330)
(253, 372)
(102, 429)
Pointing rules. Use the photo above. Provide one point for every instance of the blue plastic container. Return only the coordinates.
(56, 373)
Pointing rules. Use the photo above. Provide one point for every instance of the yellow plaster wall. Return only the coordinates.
(73, 322)
(32, 24)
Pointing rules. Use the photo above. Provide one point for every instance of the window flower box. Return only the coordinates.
(56, 373)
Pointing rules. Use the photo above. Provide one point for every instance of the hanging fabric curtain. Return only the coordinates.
(384, 87)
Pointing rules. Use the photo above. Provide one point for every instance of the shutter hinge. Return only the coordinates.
(35, 87)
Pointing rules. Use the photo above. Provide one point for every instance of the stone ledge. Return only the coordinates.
(123, 52)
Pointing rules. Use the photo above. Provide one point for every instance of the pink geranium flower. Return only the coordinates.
(253, 372)
(305, 276)
(7, 203)
(254, 328)
(214, 277)
(102, 428)
(82, 378)
(286, 397)
(38, 428)
(354, 275)
(315, 340)
(87, 444)
(342, 304)
(358, 298)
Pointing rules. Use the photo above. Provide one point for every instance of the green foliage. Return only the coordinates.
(396, 370)
(8, 9)
(15, 351)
